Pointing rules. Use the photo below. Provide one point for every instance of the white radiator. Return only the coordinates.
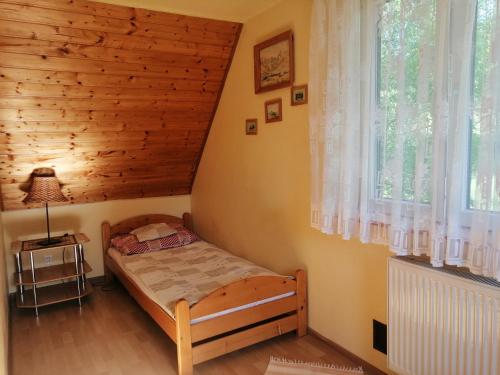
(441, 323)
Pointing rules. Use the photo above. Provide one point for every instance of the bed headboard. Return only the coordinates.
(130, 224)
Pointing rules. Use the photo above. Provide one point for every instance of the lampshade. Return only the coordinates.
(45, 187)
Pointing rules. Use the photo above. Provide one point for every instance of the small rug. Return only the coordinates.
(280, 366)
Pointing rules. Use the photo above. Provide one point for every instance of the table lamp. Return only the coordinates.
(45, 188)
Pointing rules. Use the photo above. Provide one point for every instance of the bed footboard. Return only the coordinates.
(183, 338)
(301, 278)
(264, 318)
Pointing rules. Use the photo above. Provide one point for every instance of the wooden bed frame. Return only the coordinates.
(211, 338)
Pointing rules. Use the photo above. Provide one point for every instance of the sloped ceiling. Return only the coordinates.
(117, 100)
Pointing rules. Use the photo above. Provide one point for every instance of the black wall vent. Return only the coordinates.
(380, 336)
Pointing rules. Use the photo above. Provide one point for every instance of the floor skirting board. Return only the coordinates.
(347, 353)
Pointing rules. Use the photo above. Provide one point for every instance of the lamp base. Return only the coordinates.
(49, 241)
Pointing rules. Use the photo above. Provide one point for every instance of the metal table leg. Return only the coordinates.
(82, 269)
(75, 249)
(19, 269)
(32, 264)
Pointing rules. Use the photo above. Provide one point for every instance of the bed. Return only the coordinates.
(227, 318)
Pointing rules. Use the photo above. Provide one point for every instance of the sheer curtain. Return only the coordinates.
(341, 78)
(392, 119)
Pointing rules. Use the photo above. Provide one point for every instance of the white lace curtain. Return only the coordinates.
(403, 149)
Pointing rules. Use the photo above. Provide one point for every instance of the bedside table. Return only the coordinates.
(69, 280)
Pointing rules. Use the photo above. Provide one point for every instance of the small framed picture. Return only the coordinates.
(273, 110)
(299, 95)
(251, 126)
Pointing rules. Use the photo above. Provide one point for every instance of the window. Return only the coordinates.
(405, 92)
(485, 21)
(404, 131)
(405, 97)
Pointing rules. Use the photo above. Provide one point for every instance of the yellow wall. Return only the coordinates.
(87, 218)
(251, 195)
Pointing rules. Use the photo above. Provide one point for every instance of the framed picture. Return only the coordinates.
(273, 63)
(273, 110)
(299, 95)
(251, 126)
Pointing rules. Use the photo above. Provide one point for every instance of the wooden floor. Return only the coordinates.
(112, 335)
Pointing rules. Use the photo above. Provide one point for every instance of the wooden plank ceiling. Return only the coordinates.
(117, 100)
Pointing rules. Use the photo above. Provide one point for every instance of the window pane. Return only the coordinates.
(485, 20)
(405, 91)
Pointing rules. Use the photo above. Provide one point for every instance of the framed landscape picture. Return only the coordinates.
(273, 110)
(251, 126)
(299, 95)
(273, 63)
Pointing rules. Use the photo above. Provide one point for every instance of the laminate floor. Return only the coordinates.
(111, 334)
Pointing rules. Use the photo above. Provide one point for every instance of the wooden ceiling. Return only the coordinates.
(117, 100)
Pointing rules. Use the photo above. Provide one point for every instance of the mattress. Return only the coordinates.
(190, 272)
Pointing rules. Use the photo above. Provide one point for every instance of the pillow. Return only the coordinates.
(128, 244)
(153, 231)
